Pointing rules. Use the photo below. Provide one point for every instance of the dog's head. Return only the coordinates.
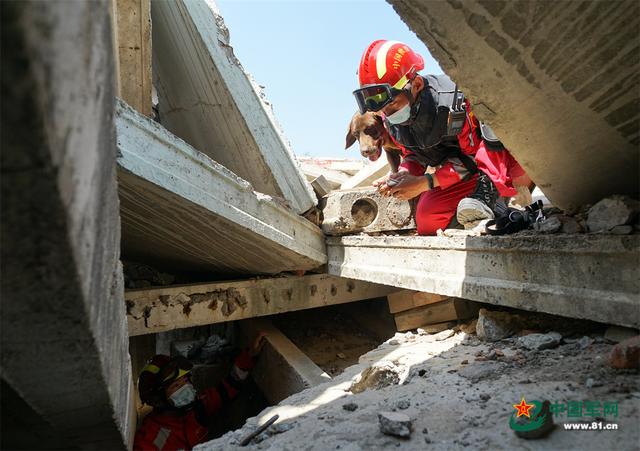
(369, 131)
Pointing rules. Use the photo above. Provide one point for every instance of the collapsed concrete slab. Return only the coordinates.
(313, 171)
(594, 277)
(63, 330)
(152, 310)
(207, 99)
(282, 369)
(551, 80)
(182, 209)
(365, 210)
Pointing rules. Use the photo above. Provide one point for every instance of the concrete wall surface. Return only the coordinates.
(63, 328)
(557, 81)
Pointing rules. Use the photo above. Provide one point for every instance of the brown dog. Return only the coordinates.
(373, 138)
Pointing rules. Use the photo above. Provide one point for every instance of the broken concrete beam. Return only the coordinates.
(349, 167)
(133, 33)
(321, 186)
(152, 310)
(439, 312)
(183, 210)
(313, 171)
(594, 277)
(407, 299)
(207, 99)
(515, 66)
(367, 175)
(365, 210)
(282, 368)
(62, 329)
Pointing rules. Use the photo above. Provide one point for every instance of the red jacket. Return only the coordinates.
(170, 430)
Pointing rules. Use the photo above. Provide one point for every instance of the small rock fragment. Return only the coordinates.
(538, 342)
(589, 382)
(480, 371)
(626, 354)
(612, 211)
(494, 326)
(403, 404)
(380, 375)
(397, 424)
(440, 336)
(485, 396)
(585, 342)
(350, 406)
(570, 225)
(341, 355)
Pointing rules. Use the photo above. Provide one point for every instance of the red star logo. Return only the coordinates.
(523, 408)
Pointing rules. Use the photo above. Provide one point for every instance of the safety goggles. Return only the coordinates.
(376, 97)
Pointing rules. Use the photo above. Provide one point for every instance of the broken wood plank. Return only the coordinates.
(134, 53)
(282, 369)
(408, 299)
(207, 99)
(151, 310)
(448, 310)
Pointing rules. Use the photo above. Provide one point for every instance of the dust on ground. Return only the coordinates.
(459, 393)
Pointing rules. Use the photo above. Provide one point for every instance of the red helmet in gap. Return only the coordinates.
(386, 67)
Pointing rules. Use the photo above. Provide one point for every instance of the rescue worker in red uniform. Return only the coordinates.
(430, 118)
(181, 416)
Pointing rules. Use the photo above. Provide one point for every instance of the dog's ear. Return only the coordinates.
(350, 139)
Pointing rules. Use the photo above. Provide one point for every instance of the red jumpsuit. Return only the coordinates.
(437, 207)
(171, 430)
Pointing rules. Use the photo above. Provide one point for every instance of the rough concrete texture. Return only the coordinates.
(365, 210)
(458, 394)
(612, 212)
(207, 99)
(594, 277)
(282, 369)
(63, 328)
(313, 171)
(182, 209)
(179, 306)
(367, 175)
(552, 81)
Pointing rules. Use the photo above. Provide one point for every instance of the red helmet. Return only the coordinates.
(385, 69)
(159, 372)
(388, 62)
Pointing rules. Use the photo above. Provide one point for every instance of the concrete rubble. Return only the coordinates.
(183, 209)
(200, 82)
(455, 393)
(365, 210)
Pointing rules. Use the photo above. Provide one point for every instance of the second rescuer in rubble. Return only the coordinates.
(430, 118)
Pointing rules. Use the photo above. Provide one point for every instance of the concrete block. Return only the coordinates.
(367, 175)
(595, 277)
(559, 92)
(133, 31)
(439, 312)
(152, 310)
(612, 212)
(313, 171)
(282, 368)
(365, 210)
(321, 186)
(184, 211)
(407, 299)
(207, 99)
(62, 328)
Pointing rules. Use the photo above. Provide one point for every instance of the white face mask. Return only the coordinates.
(400, 116)
(183, 396)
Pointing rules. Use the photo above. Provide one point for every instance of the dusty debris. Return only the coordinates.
(626, 354)
(378, 376)
(552, 224)
(479, 371)
(187, 348)
(494, 326)
(611, 212)
(538, 342)
(350, 406)
(393, 423)
(622, 230)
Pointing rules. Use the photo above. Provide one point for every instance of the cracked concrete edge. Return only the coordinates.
(277, 172)
(151, 152)
(595, 277)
